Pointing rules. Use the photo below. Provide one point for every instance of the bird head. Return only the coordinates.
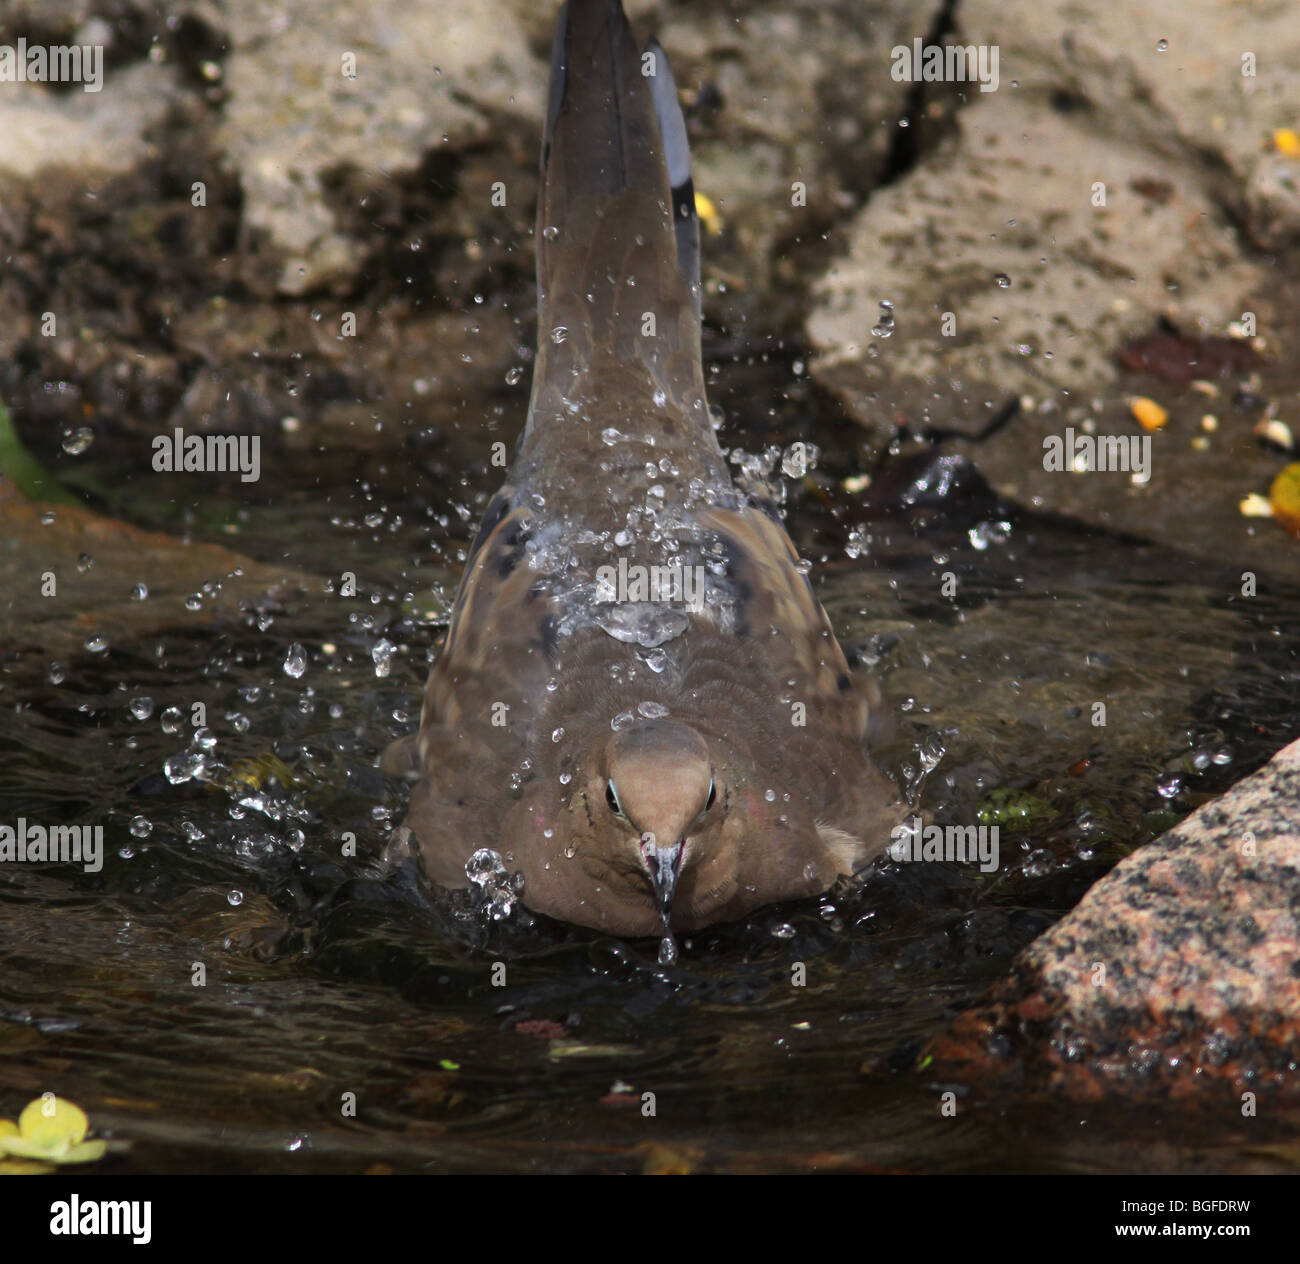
(666, 826)
(660, 788)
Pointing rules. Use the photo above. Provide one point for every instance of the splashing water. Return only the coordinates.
(495, 891)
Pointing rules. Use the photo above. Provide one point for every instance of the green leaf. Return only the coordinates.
(24, 470)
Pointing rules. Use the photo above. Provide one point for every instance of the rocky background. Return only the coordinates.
(373, 194)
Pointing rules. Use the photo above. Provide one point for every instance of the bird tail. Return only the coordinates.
(617, 234)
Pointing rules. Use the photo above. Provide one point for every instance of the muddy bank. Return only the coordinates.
(76, 583)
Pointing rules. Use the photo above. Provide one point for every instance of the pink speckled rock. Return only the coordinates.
(1180, 968)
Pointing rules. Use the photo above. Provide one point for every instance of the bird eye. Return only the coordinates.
(611, 798)
(713, 794)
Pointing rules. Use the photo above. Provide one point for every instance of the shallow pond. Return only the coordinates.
(324, 978)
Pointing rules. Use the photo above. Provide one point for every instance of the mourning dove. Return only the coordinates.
(640, 703)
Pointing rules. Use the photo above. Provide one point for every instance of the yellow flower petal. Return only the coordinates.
(8, 1128)
(86, 1152)
(24, 1167)
(1287, 141)
(53, 1124)
(1149, 414)
(24, 1149)
(708, 214)
(1284, 497)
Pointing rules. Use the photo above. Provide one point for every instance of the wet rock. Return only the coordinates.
(796, 92)
(235, 232)
(1085, 97)
(1178, 973)
(313, 88)
(1175, 358)
(1198, 81)
(1001, 227)
(96, 134)
(378, 195)
(97, 563)
(1005, 278)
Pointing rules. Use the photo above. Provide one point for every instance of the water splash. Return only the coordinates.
(494, 890)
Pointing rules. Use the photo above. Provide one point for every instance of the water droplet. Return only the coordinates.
(57, 674)
(985, 533)
(139, 592)
(622, 720)
(96, 644)
(667, 950)
(141, 827)
(559, 334)
(295, 661)
(204, 739)
(235, 898)
(783, 931)
(652, 710)
(557, 734)
(798, 459)
(931, 751)
(1162, 46)
(514, 375)
(487, 871)
(171, 720)
(382, 652)
(141, 708)
(84, 562)
(77, 441)
(550, 232)
(1002, 281)
(770, 795)
(1169, 787)
(484, 865)
(183, 767)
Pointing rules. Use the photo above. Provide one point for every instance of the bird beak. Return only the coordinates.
(663, 863)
